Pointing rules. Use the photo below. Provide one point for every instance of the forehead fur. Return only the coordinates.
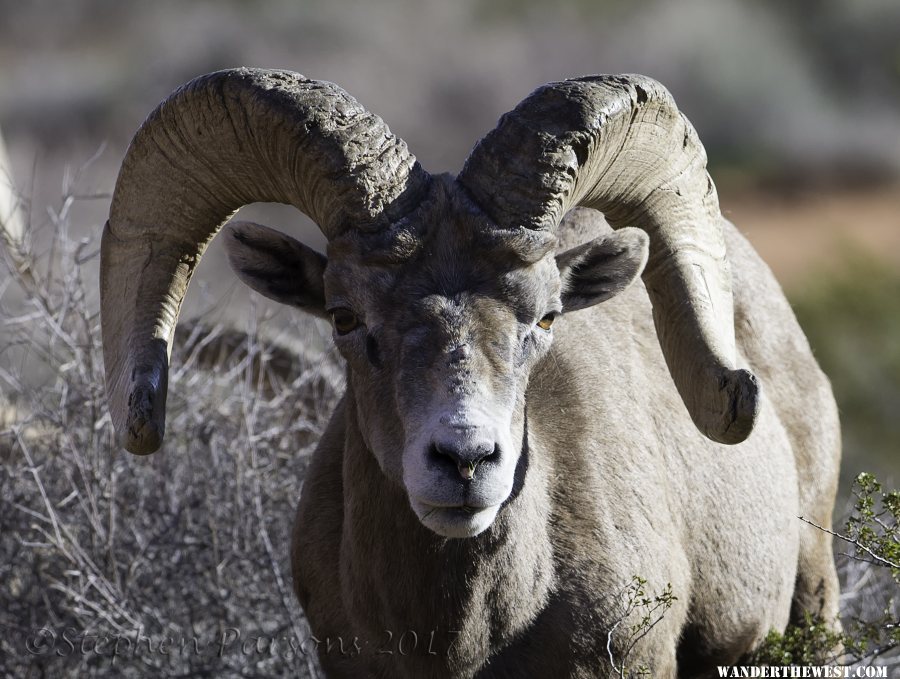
(447, 246)
(447, 210)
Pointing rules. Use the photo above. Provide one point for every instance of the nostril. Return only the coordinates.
(445, 453)
(465, 458)
(438, 452)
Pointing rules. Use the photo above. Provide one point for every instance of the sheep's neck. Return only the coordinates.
(396, 575)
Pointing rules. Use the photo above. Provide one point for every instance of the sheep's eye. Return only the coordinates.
(344, 320)
(546, 321)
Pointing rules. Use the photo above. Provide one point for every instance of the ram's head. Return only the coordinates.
(440, 332)
(442, 291)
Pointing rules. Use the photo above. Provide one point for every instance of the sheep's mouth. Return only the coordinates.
(464, 509)
(455, 521)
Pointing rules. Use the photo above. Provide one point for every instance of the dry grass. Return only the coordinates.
(182, 547)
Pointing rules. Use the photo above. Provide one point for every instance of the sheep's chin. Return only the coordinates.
(455, 522)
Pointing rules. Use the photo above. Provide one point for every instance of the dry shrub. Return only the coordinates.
(105, 556)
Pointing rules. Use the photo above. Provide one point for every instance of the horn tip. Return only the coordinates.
(741, 398)
(145, 424)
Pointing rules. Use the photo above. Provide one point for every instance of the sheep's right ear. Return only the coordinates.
(277, 266)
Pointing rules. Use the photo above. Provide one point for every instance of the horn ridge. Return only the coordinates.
(217, 143)
(620, 145)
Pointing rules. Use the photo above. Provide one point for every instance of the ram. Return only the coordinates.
(526, 425)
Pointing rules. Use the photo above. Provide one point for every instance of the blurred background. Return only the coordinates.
(798, 104)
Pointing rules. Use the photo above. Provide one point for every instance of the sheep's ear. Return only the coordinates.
(601, 268)
(277, 266)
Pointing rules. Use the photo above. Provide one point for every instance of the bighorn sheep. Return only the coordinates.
(509, 452)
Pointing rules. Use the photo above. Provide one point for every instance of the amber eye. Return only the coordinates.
(546, 321)
(344, 320)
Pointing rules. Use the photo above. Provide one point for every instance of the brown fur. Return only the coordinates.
(615, 481)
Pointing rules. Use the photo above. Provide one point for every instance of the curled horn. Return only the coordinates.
(219, 142)
(619, 144)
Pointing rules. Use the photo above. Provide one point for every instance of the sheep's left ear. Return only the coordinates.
(277, 266)
(601, 268)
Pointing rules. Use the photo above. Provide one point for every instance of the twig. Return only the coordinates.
(856, 543)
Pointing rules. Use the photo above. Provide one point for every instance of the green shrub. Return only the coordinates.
(870, 548)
